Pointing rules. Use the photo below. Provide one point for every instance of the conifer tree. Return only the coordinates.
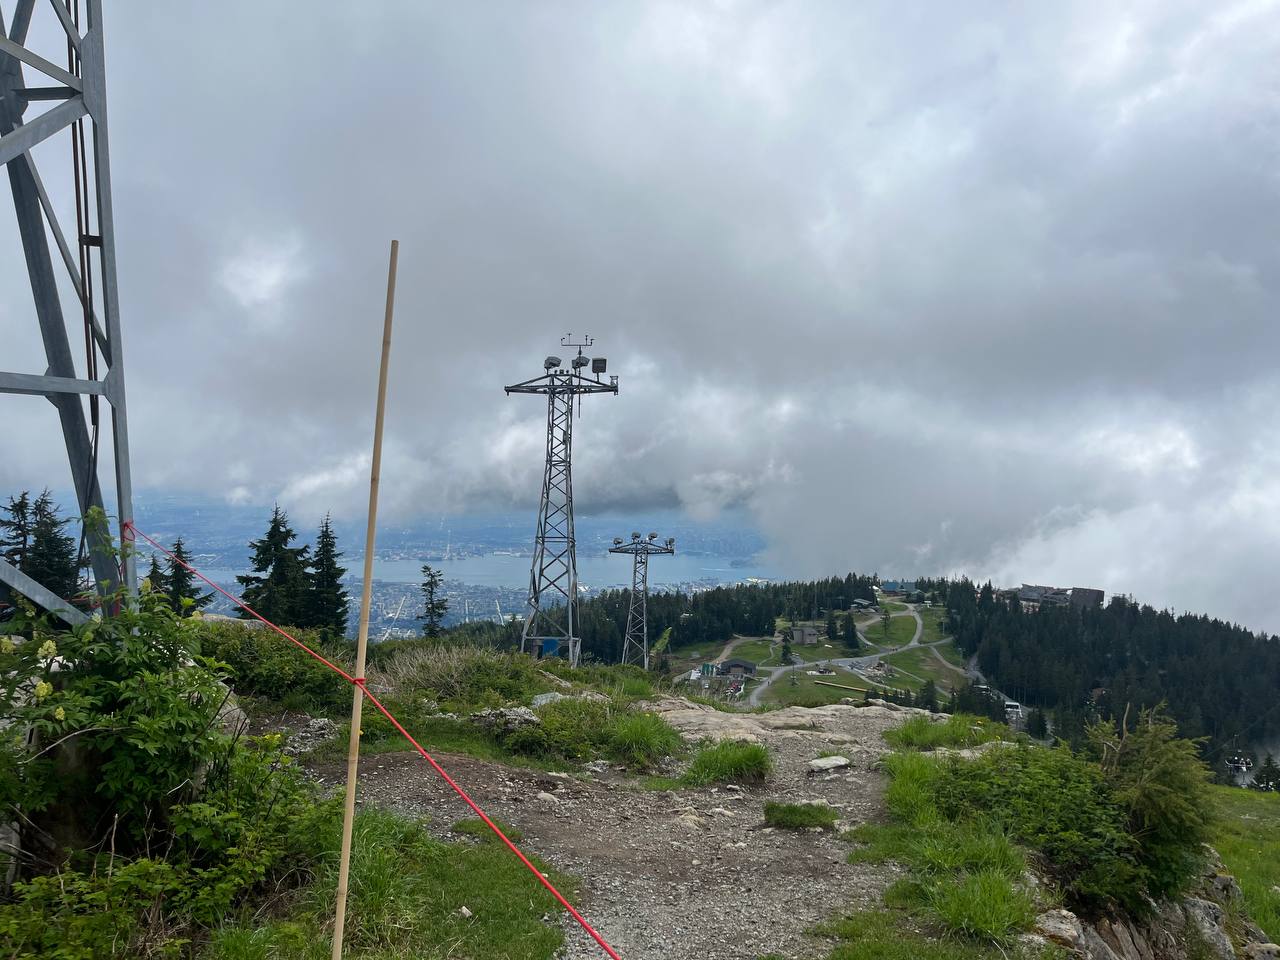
(50, 557)
(435, 605)
(832, 631)
(180, 584)
(279, 586)
(928, 698)
(851, 633)
(156, 580)
(15, 530)
(328, 604)
(1037, 725)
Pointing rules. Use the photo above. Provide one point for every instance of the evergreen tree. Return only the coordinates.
(15, 531)
(155, 577)
(329, 603)
(435, 604)
(1268, 776)
(833, 634)
(279, 586)
(851, 633)
(1037, 725)
(50, 557)
(181, 584)
(786, 645)
(928, 698)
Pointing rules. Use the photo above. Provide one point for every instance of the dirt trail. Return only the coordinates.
(688, 875)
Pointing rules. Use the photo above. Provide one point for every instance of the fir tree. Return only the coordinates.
(184, 596)
(1037, 725)
(15, 531)
(928, 698)
(279, 586)
(833, 633)
(851, 633)
(435, 604)
(328, 604)
(155, 578)
(50, 557)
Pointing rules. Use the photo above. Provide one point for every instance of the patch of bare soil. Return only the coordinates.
(679, 875)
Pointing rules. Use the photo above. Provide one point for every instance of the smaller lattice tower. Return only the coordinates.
(553, 578)
(635, 646)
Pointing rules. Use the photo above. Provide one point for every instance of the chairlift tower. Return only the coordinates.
(635, 646)
(76, 92)
(553, 577)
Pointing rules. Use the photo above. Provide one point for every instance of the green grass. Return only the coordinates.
(406, 893)
(806, 692)
(985, 905)
(640, 740)
(1247, 835)
(799, 816)
(922, 665)
(756, 651)
(933, 628)
(893, 606)
(901, 630)
(957, 731)
(729, 761)
(888, 935)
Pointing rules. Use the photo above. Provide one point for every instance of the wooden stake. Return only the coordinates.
(362, 644)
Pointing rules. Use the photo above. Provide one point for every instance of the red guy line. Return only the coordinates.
(127, 533)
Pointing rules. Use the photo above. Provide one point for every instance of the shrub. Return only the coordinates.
(959, 730)
(1058, 804)
(910, 794)
(264, 664)
(729, 761)
(460, 676)
(1163, 786)
(799, 816)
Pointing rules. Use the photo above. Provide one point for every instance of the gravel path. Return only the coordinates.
(688, 875)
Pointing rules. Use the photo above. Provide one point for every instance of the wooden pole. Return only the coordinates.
(362, 644)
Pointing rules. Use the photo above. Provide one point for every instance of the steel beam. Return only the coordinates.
(18, 581)
(38, 386)
(84, 91)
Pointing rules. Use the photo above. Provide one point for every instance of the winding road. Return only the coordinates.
(856, 664)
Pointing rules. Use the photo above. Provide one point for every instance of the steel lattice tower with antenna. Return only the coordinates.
(635, 646)
(553, 577)
(77, 92)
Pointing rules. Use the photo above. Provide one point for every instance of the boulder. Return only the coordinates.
(1208, 918)
(506, 719)
(827, 764)
(1061, 926)
(1262, 951)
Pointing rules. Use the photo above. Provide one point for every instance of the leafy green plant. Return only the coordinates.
(261, 663)
(1164, 787)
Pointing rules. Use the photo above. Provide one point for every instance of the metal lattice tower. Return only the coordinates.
(79, 91)
(553, 578)
(635, 646)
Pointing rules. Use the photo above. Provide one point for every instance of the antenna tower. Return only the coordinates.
(635, 646)
(77, 91)
(553, 578)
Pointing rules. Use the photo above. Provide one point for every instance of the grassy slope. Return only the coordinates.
(1248, 837)
(805, 692)
(921, 662)
(901, 630)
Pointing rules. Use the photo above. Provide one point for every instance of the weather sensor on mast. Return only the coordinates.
(635, 647)
(553, 578)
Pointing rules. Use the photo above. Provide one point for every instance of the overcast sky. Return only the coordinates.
(934, 287)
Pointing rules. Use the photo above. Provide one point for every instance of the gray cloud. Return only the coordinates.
(988, 289)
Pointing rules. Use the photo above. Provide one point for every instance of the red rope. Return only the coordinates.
(128, 532)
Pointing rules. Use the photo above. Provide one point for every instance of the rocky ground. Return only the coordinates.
(682, 875)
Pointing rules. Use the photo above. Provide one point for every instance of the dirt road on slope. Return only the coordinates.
(688, 875)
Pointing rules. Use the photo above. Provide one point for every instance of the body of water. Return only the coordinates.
(596, 572)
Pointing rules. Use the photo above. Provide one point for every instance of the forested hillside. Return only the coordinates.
(1219, 679)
